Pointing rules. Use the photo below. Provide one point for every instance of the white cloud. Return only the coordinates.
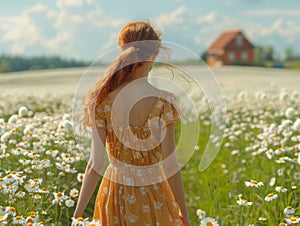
(61, 4)
(287, 30)
(171, 18)
(209, 18)
(273, 12)
(63, 30)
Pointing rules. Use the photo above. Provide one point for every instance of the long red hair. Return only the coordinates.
(134, 53)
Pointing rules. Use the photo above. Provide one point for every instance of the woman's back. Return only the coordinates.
(138, 107)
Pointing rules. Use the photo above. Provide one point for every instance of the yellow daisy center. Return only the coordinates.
(80, 219)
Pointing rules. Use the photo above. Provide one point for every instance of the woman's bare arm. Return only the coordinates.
(90, 181)
(170, 167)
(92, 171)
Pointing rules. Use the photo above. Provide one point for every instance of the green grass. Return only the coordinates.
(214, 190)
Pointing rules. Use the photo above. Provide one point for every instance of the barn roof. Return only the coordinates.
(223, 40)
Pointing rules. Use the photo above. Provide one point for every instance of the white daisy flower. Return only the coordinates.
(253, 183)
(5, 136)
(23, 111)
(271, 196)
(74, 192)
(200, 213)
(289, 211)
(95, 223)
(13, 119)
(296, 125)
(3, 218)
(290, 112)
(70, 203)
(79, 221)
(209, 221)
(244, 202)
(262, 219)
(293, 220)
(272, 181)
(281, 189)
(297, 175)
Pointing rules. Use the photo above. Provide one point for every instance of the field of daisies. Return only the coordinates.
(253, 181)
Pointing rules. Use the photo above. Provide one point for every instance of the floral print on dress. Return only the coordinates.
(120, 204)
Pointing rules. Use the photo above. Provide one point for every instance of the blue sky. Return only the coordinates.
(85, 29)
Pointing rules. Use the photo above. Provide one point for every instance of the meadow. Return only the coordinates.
(254, 179)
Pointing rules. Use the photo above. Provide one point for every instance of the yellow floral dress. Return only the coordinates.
(142, 198)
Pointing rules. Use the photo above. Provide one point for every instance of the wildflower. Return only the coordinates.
(296, 125)
(35, 181)
(70, 203)
(94, 223)
(3, 217)
(289, 211)
(208, 221)
(20, 194)
(262, 219)
(23, 111)
(253, 183)
(13, 119)
(18, 220)
(290, 112)
(12, 211)
(80, 177)
(74, 192)
(67, 125)
(272, 181)
(281, 189)
(5, 136)
(244, 202)
(59, 197)
(293, 220)
(36, 196)
(200, 213)
(271, 196)
(79, 221)
(297, 175)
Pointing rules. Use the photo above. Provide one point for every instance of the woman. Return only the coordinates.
(131, 137)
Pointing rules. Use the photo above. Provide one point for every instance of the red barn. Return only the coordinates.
(231, 47)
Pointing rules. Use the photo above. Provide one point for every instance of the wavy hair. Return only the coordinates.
(135, 51)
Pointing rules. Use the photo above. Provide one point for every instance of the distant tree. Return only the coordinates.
(259, 55)
(269, 53)
(289, 54)
(264, 53)
(20, 63)
(5, 65)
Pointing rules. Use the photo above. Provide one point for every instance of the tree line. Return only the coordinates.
(21, 63)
